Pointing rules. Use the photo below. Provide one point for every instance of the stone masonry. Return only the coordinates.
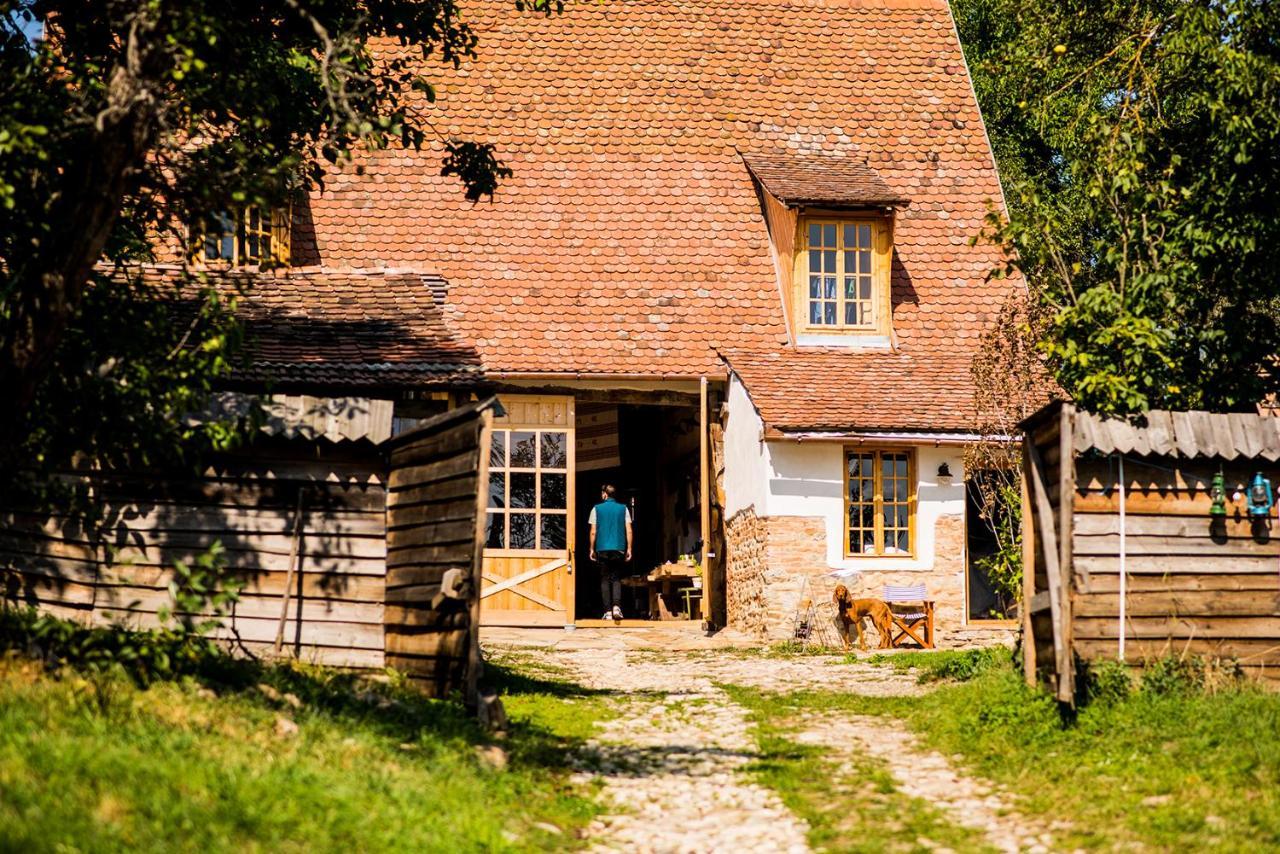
(746, 536)
(795, 550)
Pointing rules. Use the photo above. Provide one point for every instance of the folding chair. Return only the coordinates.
(912, 613)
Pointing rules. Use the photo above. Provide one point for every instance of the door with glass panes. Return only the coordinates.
(528, 555)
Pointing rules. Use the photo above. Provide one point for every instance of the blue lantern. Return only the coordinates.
(1260, 496)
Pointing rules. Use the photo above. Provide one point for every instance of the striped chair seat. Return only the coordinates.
(895, 594)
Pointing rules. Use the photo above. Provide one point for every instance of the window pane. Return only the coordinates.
(829, 235)
(493, 531)
(497, 489)
(815, 313)
(850, 235)
(815, 287)
(904, 541)
(829, 261)
(227, 248)
(553, 492)
(864, 261)
(904, 516)
(523, 487)
(864, 287)
(523, 449)
(815, 260)
(553, 534)
(554, 455)
(901, 465)
(829, 287)
(498, 450)
(829, 313)
(864, 235)
(522, 530)
(851, 314)
(815, 234)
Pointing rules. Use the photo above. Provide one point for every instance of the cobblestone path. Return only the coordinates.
(672, 763)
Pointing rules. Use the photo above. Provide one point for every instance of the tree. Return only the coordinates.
(134, 117)
(1139, 144)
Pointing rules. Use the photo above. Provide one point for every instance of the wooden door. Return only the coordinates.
(528, 557)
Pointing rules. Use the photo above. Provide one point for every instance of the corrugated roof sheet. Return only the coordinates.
(1227, 436)
(302, 416)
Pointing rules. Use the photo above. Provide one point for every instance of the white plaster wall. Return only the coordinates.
(746, 455)
(806, 479)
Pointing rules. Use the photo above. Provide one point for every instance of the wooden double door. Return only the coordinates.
(527, 570)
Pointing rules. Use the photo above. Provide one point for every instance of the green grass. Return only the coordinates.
(850, 806)
(934, 665)
(1162, 769)
(175, 767)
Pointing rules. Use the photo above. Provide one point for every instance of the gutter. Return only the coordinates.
(915, 438)
(580, 375)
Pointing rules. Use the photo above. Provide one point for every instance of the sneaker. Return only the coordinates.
(617, 612)
(608, 615)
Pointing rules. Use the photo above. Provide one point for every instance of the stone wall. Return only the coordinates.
(746, 536)
(796, 552)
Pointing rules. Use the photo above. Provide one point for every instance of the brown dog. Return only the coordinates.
(850, 611)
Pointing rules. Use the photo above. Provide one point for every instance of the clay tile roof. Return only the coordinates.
(319, 329)
(841, 181)
(857, 391)
(630, 238)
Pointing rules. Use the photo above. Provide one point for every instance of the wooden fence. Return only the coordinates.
(1122, 557)
(310, 516)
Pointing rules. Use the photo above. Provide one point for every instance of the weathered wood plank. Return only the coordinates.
(149, 600)
(1093, 524)
(412, 476)
(447, 554)
(1203, 547)
(1157, 628)
(1181, 603)
(354, 635)
(458, 486)
(429, 449)
(1172, 565)
(329, 656)
(432, 643)
(432, 532)
(415, 515)
(1247, 650)
(317, 546)
(1109, 582)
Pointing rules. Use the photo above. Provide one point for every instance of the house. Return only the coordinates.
(732, 275)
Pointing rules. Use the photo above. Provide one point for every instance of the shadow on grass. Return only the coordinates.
(380, 704)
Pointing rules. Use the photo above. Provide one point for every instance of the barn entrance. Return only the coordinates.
(550, 456)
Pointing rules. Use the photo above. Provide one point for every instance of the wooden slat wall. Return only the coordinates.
(1194, 584)
(434, 515)
(120, 570)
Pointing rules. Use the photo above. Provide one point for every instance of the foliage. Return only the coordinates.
(202, 592)
(135, 118)
(203, 765)
(1140, 147)
(959, 665)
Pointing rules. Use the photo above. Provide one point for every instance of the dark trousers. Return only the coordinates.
(612, 565)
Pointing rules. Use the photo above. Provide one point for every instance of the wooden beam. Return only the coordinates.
(527, 575)
(1048, 548)
(704, 475)
(1066, 513)
(471, 689)
(1029, 594)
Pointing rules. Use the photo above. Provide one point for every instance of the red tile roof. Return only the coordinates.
(835, 390)
(319, 329)
(630, 239)
(799, 179)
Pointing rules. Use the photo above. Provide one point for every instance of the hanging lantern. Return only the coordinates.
(1260, 496)
(1218, 493)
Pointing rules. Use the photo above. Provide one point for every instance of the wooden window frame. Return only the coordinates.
(913, 500)
(278, 229)
(881, 268)
(537, 511)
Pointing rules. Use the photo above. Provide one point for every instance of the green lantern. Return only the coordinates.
(1218, 492)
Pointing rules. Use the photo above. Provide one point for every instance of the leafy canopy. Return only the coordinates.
(1139, 144)
(132, 118)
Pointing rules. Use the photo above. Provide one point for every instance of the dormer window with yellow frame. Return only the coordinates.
(247, 236)
(842, 275)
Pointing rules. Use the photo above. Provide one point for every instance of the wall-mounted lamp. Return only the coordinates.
(944, 474)
(1218, 495)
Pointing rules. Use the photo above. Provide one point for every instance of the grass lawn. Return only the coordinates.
(1163, 769)
(179, 767)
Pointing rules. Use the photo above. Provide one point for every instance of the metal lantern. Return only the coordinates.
(1218, 492)
(1260, 496)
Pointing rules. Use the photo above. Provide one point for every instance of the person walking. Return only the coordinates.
(610, 548)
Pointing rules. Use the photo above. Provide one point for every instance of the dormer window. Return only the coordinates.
(842, 274)
(839, 263)
(250, 235)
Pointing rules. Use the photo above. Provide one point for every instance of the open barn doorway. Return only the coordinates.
(650, 454)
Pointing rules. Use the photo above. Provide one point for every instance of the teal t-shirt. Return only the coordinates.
(610, 519)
